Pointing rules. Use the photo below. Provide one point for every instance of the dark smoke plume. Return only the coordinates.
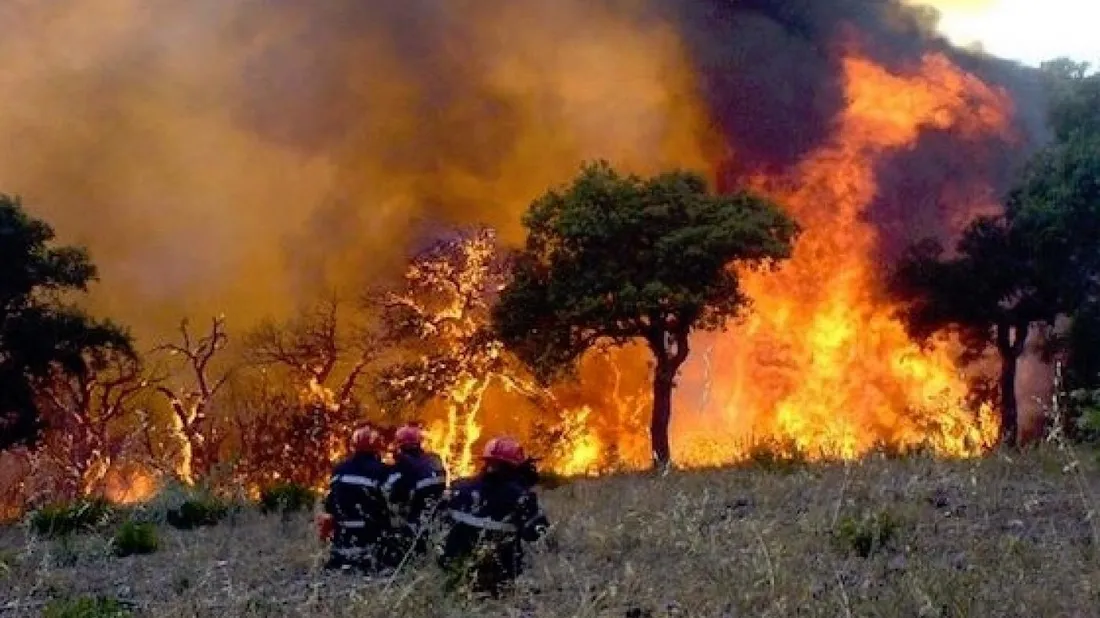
(241, 155)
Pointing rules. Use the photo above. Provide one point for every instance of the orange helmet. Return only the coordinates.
(408, 435)
(367, 439)
(505, 450)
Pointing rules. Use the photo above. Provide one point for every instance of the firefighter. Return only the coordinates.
(356, 512)
(490, 516)
(416, 486)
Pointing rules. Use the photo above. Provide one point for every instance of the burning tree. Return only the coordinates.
(990, 293)
(196, 434)
(313, 348)
(90, 415)
(613, 259)
(294, 436)
(1033, 264)
(438, 322)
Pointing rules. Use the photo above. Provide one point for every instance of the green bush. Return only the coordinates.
(135, 538)
(84, 607)
(866, 535)
(67, 518)
(287, 498)
(196, 512)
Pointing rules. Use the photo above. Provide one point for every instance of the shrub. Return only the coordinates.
(67, 518)
(196, 512)
(287, 498)
(866, 535)
(135, 538)
(85, 607)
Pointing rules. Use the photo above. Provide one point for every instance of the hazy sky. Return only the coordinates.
(1027, 30)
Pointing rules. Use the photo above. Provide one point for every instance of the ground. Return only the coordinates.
(1007, 535)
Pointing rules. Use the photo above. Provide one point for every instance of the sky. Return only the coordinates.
(1030, 31)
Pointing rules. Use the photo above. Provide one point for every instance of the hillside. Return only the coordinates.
(1002, 536)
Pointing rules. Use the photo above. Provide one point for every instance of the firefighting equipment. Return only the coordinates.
(408, 435)
(326, 526)
(367, 439)
(356, 499)
(489, 518)
(504, 450)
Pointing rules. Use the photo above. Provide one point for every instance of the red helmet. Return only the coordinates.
(326, 526)
(505, 450)
(367, 439)
(408, 435)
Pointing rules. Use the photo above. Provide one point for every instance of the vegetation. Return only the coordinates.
(67, 518)
(39, 333)
(868, 534)
(86, 607)
(998, 536)
(135, 538)
(287, 498)
(617, 258)
(1034, 264)
(198, 511)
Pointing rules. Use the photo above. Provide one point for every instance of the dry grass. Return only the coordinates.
(1002, 536)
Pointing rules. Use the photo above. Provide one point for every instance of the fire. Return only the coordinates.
(130, 486)
(579, 449)
(821, 362)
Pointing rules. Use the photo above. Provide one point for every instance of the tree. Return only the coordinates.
(990, 293)
(436, 324)
(197, 435)
(315, 350)
(613, 258)
(1036, 262)
(91, 415)
(1057, 203)
(291, 434)
(39, 332)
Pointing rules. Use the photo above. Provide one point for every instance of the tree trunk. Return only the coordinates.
(1009, 409)
(662, 415)
(1010, 345)
(671, 350)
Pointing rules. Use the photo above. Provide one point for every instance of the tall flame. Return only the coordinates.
(821, 361)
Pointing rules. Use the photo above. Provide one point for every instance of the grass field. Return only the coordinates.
(1008, 535)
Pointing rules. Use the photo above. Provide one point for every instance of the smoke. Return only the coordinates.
(240, 156)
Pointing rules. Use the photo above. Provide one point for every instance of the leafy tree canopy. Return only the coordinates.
(1038, 261)
(38, 330)
(615, 258)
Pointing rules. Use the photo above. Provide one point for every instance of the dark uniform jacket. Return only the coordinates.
(357, 502)
(490, 517)
(416, 485)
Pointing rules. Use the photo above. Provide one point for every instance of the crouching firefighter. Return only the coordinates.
(415, 488)
(490, 516)
(356, 513)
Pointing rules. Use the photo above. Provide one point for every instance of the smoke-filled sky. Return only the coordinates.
(1031, 31)
(238, 156)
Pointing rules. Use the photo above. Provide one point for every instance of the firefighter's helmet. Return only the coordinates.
(367, 439)
(408, 435)
(504, 450)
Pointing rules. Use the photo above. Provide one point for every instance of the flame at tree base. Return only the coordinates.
(821, 368)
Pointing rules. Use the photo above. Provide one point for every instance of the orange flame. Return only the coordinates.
(821, 361)
(820, 365)
(130, 486)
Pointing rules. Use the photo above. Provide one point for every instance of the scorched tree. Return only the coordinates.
(614, 258)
